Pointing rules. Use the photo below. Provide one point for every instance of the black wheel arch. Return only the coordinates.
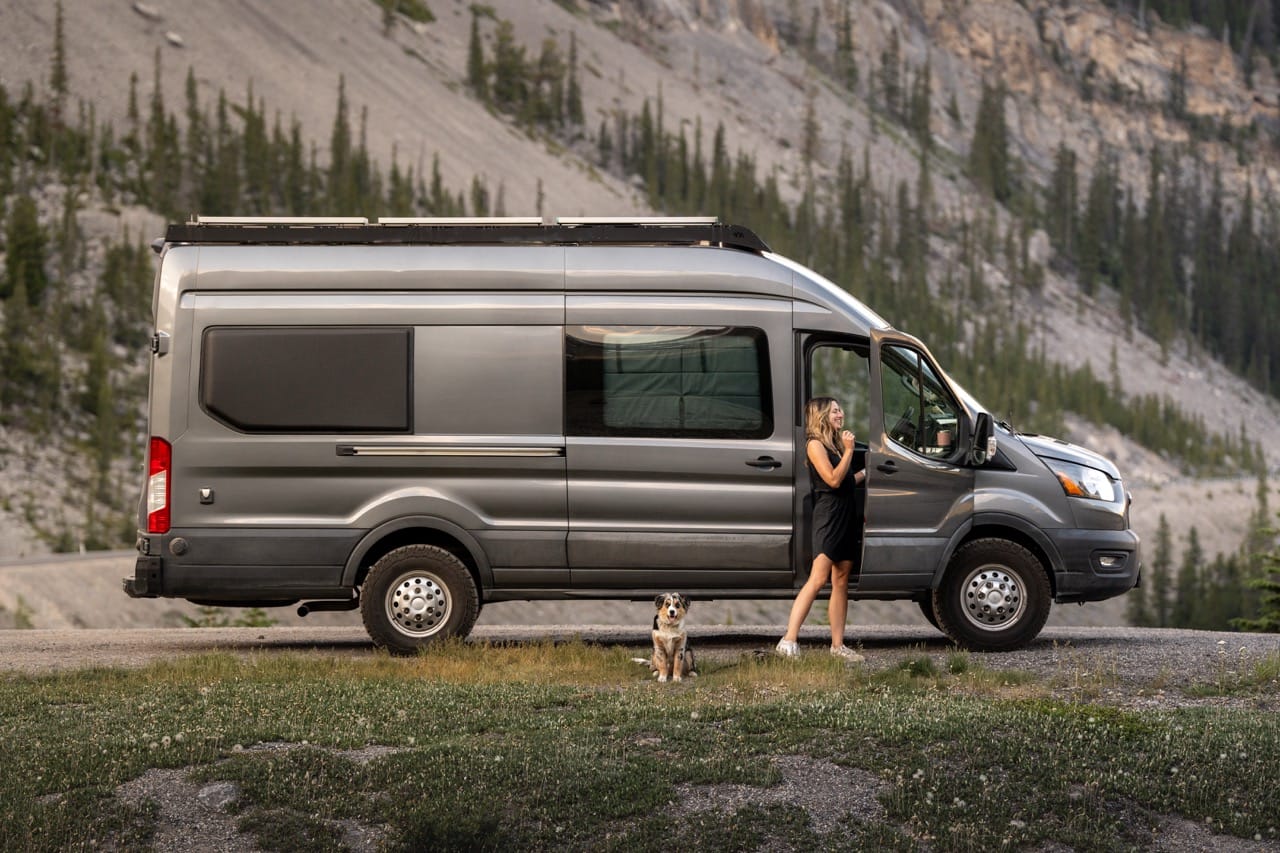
(418, 530)
(994, 525)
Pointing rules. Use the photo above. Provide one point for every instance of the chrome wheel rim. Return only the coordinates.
(994, 599)
(418, 604)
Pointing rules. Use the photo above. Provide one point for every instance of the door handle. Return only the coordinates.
(764, 463)
(888, 467)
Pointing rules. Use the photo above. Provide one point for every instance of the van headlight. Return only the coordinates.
(1081, 481)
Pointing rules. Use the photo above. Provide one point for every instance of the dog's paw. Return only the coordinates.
(662, 677)
(675, 678)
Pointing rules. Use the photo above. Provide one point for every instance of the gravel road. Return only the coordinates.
(1138, 667)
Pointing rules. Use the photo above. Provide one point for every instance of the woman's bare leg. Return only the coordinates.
(838, 609)
(818, 574)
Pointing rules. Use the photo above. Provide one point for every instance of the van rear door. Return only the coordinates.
(679, 442)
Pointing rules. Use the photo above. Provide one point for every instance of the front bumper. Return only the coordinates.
(1096, 564)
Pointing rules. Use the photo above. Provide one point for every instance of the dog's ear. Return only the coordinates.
(657, 600)
(684, 601)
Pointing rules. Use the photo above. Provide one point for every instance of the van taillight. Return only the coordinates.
(158, 467)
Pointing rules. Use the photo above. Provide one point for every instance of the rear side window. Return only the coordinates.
(672, 381)
(307, 379)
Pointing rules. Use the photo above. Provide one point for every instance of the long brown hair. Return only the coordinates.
(817, 422)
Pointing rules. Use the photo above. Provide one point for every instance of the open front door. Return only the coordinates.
(919, 490)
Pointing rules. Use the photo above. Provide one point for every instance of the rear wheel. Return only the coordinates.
(994, 598)
(417, 595)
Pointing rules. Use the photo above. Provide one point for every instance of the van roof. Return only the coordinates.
(516, 231)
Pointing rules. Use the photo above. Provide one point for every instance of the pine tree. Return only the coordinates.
(7, 144)
(920, 107)
(509, 73)
(573, 105)
(811, 140)
(1062, 204)
(546, 106)
(604, 144)
(846, 62)
(1267, 583)
(718, 184)
(1188, 598)
(989, 151)
(1161, 580)
(58, 80)
(479, 196)
(477, 70)
(342, 189)
(891, 76)
(25, 242)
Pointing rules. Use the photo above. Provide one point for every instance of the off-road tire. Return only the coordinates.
(994, 597)
(417, 595)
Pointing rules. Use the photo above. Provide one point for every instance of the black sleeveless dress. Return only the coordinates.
(837, 513)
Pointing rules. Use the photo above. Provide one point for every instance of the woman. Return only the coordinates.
(836, 526)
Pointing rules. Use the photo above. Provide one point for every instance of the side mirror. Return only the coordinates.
(984, 440)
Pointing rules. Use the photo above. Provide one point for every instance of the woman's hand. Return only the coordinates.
(847, 438)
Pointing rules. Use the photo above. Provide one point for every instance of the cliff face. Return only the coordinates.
(1076, 73)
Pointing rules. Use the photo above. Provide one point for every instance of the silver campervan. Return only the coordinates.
(417, 417)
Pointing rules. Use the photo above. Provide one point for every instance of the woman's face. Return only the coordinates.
(836, 417)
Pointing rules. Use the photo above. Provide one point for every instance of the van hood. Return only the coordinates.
(1055, 448)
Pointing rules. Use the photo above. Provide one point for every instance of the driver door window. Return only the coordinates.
(918, 413)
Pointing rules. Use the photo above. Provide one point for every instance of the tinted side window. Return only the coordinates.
(674, 381)
(307, 379)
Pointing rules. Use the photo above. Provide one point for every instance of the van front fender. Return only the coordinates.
(1001, 525)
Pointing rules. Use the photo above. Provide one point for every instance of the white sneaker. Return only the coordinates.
(846, 653)
(788, 648)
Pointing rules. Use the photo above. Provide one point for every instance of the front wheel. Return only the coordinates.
(417, 595)
(994, 597)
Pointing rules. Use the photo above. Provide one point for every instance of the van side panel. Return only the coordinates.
(266, 512)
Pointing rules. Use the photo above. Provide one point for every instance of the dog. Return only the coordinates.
(672, 657)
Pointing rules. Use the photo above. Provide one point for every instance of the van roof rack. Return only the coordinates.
(499, 230)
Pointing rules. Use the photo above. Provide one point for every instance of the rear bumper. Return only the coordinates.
(276, 566)
(1097, 564)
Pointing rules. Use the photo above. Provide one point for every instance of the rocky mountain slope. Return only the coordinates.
(1075, 72)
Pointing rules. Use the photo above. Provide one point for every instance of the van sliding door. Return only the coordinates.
(678, 442)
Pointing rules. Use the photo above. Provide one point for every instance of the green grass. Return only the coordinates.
(570, 746)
